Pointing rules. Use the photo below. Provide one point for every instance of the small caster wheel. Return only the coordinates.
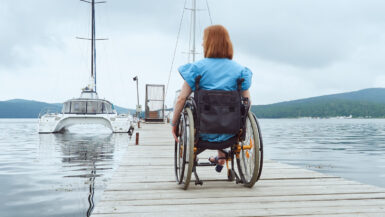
(230, 175)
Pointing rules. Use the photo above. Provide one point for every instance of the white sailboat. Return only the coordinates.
(88, 108)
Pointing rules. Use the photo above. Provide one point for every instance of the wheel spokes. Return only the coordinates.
(247, 153)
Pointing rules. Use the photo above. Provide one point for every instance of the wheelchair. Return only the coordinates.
(219, 112)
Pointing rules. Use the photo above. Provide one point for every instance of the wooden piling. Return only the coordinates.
(137, 138)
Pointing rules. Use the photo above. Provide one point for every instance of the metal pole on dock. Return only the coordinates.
(138, 107)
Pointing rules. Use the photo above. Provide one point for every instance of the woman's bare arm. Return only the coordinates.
(184, 93)
(246, 93)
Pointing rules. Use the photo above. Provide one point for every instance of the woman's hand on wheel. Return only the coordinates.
(173, 130)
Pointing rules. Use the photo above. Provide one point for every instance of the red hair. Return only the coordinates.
(217, 43)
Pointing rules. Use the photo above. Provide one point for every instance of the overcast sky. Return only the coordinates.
(295, 48)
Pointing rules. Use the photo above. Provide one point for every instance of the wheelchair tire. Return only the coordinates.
(179, 154)
(248, 162)
(260, 148)
(184, 160)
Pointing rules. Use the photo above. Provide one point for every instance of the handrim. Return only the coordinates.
(189, 146)
(244, 168)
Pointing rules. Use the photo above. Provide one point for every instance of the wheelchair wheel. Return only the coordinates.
(179, 151)
(184, 149)
(260, 148)
(248, 162)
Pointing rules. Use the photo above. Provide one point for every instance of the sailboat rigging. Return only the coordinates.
(88, 108)
(192, 52)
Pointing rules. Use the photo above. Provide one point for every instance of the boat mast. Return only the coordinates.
(194, 27)
(93, 47)
(93, 40)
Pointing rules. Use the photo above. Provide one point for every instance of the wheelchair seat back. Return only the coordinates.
(219, 111)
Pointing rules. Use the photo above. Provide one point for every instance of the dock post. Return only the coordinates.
(138, 124)
(137, 138)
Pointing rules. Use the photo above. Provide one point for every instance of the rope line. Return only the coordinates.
(176, 46)
(208, 8)
(177, 41)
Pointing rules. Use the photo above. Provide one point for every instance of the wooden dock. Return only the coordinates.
(144, 185)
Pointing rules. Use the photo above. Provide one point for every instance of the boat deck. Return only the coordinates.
(144, 185)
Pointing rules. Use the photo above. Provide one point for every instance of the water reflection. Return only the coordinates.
(351, 148)
(65, 174)
(87, 157)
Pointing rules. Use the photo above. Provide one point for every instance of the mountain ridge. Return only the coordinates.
(366, 103)
(370, 95)
(22, 108)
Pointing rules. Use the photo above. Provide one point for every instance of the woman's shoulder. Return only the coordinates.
(236, 64)
(244, 73)
(203, 62)
(195, 65)
(208, 62)
(242, 68)
(213, 61)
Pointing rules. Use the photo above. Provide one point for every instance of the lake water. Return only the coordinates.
(55, 174)
(349, 148)
(65, 174)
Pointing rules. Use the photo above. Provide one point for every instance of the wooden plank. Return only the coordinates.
(126, 207)
(255, 199)
(144, 185)
(119, 185)
(254, 211)
(251, 211)
(206, 192)
(355, 214)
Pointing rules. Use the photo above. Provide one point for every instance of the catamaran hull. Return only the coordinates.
(54, 123)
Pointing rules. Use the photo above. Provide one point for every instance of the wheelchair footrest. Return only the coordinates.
(205, 164)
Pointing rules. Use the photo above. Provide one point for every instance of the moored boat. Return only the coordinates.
(88, 108)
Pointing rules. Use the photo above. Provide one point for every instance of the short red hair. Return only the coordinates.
(217, 43)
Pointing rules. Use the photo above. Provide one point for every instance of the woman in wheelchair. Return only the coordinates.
(217, 116)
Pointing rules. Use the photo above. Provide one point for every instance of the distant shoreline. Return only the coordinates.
(362, 104)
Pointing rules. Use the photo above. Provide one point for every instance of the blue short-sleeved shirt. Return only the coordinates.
(217, 74)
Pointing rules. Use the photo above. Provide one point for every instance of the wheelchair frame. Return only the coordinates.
(187, 151)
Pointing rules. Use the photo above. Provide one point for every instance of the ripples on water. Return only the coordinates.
(62, 174)
(350, 148)
(55, 174)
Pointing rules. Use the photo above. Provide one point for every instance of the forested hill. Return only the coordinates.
(362, 103)
(368, 103)
(20, 108)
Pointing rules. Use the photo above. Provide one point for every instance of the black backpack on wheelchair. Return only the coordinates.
(218, 112)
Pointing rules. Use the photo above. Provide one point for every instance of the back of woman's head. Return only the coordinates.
(217, 43)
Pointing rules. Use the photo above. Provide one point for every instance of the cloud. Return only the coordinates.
(296, 48)
(310, 34)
